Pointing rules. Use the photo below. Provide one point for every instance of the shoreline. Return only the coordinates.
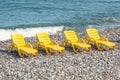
(113, 34)
(93, 65)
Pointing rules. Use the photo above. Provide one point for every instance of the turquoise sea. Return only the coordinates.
(31, 16)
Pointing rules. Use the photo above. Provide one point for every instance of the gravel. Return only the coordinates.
(93, 65)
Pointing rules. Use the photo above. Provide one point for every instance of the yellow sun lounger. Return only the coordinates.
(100, 41)
(72, 39)
(23, 48)
(44, 41)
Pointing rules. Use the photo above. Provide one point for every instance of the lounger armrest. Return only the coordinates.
(29, 45)
(87, 38)
(67, 41)
(104, 38)
(54, 42)
(14, 45)
(63, 42)
(10, 44)
(92, 39)
(82, 40)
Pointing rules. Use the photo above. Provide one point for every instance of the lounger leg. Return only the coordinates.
(47, 51)
(88, 49)
(87, 40)
(112, 48)
(20, 54)
(36, 54)
(36, 46)
(99, 46)
(62, 52)
(10, 47)
(63, 44)
(75, 49)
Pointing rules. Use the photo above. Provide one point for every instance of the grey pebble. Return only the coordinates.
(93, 65)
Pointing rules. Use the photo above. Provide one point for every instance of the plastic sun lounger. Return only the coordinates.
(23, 48)
(44, 41)
(72, 39)
(100, 41)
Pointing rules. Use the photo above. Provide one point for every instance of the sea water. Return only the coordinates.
(31, 16)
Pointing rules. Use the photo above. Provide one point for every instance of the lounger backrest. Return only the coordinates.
(43, 37)
(71, 36)
(92, 33)
(18, 40)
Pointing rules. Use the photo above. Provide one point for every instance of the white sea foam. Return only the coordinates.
(28, 32)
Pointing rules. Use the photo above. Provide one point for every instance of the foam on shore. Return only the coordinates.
(28, 32)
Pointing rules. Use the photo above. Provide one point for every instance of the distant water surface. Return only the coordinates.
(58, 14)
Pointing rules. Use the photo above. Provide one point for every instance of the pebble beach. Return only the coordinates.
(92, 65)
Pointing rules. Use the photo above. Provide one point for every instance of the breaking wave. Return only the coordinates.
(28, 32)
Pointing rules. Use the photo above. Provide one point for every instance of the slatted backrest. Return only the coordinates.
(18, 39)
(71, 35)
(43, 37)
(92, 33)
